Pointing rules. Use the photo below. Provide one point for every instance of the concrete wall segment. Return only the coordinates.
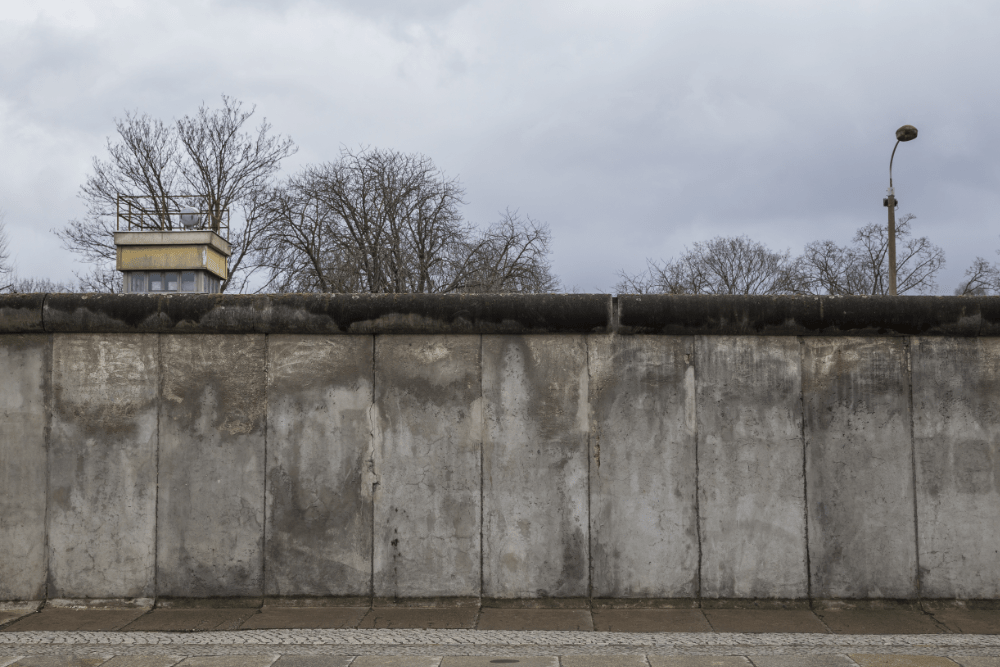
(717, 315)
(428, 435)
(210, 516)
(319, 441)
(438, 313)
(102, 466)
(956, 431)
(25, 369)
(643, 521)
(750, 471)
(362, 314)
(859, 468)
(21, 313)
(805, 315)
(535, 467)
(587, 491)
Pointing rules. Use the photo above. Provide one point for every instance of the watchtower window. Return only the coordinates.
(190, 282)
(138, 282)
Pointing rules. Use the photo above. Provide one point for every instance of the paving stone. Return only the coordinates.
(396, 661)
(305, 617)
(650, 620)
(535, 619)
(9, 617)
(420, 618)
(879, 622)
(59, 661)
(56, 619)
(698, 661)
(490, 661)
(977, 661)
(603, 661)
(764, 620)
(190, 620)
(230, 661)
(143, 661)
(970, 621)
(802, 661)
(314, 661)
(901, 660)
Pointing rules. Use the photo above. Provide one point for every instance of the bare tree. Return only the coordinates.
(224, 164)
(724, 265)
(38, 285)
(209, 156)
(6, 270)
(511, 255)
(981, 279)
(862, 267)
(382, 221)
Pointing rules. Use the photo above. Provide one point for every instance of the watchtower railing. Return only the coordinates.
(176, 213)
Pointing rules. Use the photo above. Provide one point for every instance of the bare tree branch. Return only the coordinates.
(863, 267)
(208, 156)
(723, 265)
(6, 270)
(387, 222)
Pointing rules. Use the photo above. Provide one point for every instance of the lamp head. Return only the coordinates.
(906, 133)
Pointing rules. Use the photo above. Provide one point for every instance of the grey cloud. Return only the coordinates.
(633, 130)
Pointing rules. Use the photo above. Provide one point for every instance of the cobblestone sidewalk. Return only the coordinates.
(455, 648)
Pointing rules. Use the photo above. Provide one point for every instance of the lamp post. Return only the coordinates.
(905, 133)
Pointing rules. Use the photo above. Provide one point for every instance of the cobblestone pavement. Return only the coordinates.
(444, 648)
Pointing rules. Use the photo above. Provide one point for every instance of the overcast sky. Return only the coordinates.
(632, 128)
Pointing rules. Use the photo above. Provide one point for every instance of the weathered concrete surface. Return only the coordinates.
(307, 313)
(643, 481)
(305, 617)
(956, 434)
(55, 619)
(650, 620)
(535, 466)
(319, 441)
(21, 313)
(536, 619)
(24, 380)
(750, 471)
(210, 517)
(102, 466)
(190, 620)
(807, 315)
(862, 541)
(428, 419)
(423, 618)
(436, 313)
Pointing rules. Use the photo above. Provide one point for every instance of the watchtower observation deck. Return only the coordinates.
(174, 244)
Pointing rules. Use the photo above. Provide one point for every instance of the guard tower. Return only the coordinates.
(171, 245)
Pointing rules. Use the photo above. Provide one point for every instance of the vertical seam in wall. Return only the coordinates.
(49, 402)
(156, 485)
(913, 467)
(805, 467)
(697, 468)
(263, 532)
(373, 444)
(482, 477)
(590, 536)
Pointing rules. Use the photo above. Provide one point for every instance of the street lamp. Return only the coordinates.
(905, 133)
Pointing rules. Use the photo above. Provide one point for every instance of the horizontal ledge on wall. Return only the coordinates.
(501, 314)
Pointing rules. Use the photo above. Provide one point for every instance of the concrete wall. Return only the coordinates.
(649, 448)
